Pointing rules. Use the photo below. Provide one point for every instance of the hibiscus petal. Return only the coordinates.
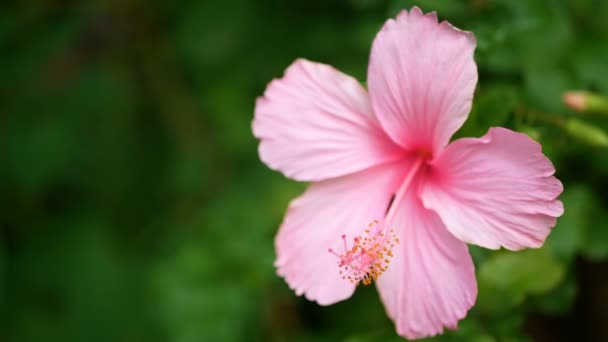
(315, 222)
(421, 79)
(494, 191)
(316, 123)
(430, 283)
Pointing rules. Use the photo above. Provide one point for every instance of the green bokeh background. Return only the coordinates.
(134, 207)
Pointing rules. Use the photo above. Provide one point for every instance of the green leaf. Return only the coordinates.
(494, 103)
(569, 233)
(507, 278)
(446, 9)
(545, 84)
(595, 246)
(559, 300)
(583, 227)
(589, 64)
(469, 330)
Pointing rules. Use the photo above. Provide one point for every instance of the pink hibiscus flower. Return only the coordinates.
(384, 155)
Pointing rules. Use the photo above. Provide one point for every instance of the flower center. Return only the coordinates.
(424, 154)
(369, 256)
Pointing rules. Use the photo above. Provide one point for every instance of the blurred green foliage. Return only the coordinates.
(134, 207)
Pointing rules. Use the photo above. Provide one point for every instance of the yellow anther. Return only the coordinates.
(368, 257)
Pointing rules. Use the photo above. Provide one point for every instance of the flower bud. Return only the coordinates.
(583, 101)
(585, 132)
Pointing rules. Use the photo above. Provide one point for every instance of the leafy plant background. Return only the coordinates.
(134, 207)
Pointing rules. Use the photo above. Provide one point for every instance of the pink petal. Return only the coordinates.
(316, 123)
(430, 283)
(315, 222)
(494, 191)
(421, 79)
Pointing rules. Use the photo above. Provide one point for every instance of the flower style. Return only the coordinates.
(385, 156)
